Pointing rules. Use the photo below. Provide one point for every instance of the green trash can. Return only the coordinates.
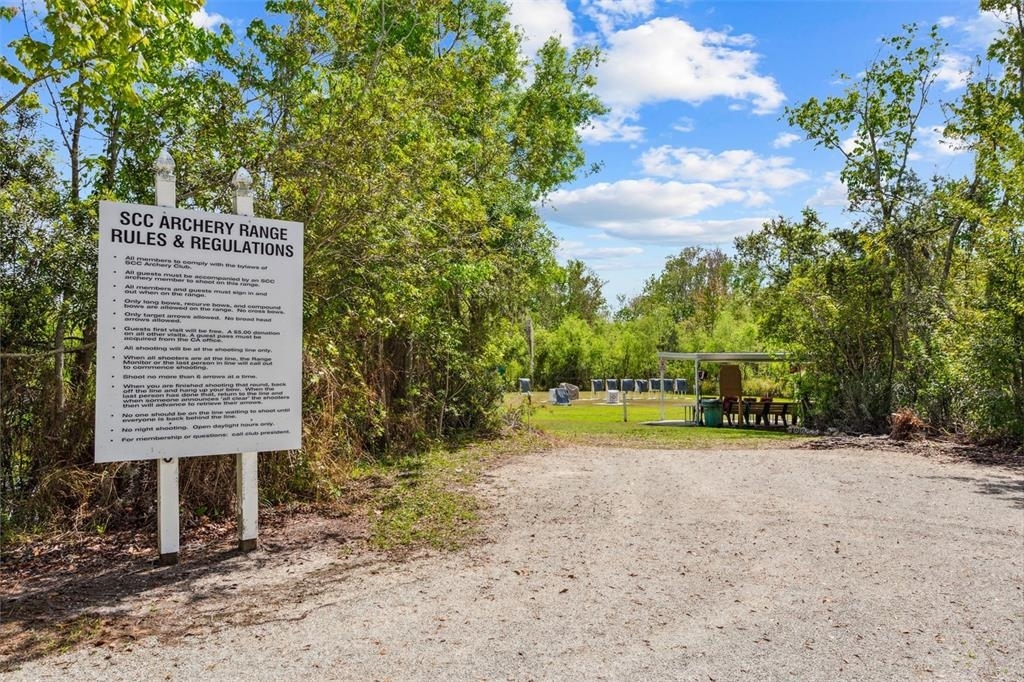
(712, 409)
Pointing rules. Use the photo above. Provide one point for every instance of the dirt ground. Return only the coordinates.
(839, 560)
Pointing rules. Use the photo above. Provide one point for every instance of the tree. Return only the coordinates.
(575, 352)
(869, 292)
(427, 242)
(92, 64)
(32, 366)
(94, 60)
(985, 325)
(690, 292)
(406, 136)
(634, 346)
(575, 290)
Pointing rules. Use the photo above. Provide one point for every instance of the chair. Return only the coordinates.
(730, 390)
(765, 408)
(733, 405)
(778, 410)
(755, 408)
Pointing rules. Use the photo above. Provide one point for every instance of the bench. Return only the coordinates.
(777, 410)
(761, 411)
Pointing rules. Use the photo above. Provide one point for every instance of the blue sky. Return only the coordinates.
(694, 151)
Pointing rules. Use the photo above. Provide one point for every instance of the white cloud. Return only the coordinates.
(850, 144)
(643, 199)
(954, 71)
(758, 198)
(608, 14)
(202, 19)
(784, 140)
(831, 193)
(946, 22)
(620, 8)
(651, 211)
(685, 125)
(539, 20)
(733, 168)
(682, 231)
(667, 59)
(981, 29)
(615, 127)
(581, 250)
(933, 140)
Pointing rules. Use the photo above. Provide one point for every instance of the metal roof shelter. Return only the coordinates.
(727, 357)
(697, 358)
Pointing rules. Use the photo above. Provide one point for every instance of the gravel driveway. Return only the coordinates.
(604, 563)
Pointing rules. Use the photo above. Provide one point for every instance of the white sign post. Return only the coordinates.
(168, 532)
(247, 496)
(200, 338)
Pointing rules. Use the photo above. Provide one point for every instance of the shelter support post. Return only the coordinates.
(661, 383)
(247, 499)
(698, 416)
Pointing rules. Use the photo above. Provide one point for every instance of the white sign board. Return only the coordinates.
(199, 346)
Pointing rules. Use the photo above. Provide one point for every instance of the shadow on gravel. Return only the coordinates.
(86, 591)
(1010, 490)
(991, 456)
(1009, 460)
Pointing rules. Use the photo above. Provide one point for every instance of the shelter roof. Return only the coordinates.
(726, 357)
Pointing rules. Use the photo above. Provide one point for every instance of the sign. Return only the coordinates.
(199, 346)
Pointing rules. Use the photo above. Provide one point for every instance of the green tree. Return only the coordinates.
(575, 352)
(868, 293)
(32, 365)
(984, 327)
(634, 345)
(406, 136)
(692, 286)
(426, 244)
(95, 60)
(575, 290)
(92, 64)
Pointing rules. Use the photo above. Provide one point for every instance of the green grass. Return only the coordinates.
(590, 420)
(427, 513)
(428, 500)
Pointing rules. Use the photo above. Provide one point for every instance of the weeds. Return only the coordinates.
(429, 502)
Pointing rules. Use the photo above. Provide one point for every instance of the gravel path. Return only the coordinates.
(639, 565)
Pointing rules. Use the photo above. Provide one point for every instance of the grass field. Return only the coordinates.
(590, 420)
